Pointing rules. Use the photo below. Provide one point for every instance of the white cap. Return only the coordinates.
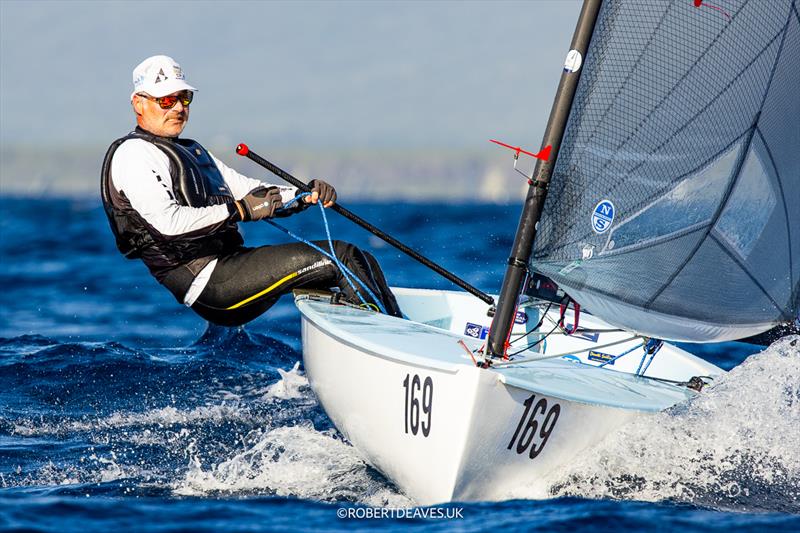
(159, 76)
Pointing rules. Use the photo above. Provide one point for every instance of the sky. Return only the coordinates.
(333, 75)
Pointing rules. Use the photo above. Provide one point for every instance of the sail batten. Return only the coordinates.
(674, 206)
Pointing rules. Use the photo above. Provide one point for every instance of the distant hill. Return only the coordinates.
(406, 175)
(388, 96)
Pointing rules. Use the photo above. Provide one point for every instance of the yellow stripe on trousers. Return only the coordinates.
(265, 291)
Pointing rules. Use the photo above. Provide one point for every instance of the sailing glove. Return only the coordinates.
(326, 192)
(261, 202)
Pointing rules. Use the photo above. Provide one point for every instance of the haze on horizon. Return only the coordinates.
(327, 75)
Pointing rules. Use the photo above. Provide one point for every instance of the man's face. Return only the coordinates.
(158, 121)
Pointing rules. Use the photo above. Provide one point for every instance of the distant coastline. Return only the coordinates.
(448, 176)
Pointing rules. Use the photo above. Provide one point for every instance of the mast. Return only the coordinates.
(537, 192)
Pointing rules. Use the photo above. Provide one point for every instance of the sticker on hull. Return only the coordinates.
(601, 357)
(476, 331)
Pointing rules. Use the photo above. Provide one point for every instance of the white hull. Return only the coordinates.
(408, 396)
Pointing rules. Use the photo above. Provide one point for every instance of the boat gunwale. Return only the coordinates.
(503, 375)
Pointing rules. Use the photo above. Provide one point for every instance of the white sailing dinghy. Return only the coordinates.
(673, 212)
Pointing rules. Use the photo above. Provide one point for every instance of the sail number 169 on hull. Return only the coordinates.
(538, 418)
(419, 397)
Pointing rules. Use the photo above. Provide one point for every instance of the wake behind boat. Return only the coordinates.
(664, 199)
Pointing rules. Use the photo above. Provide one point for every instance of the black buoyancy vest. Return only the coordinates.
(196, 182)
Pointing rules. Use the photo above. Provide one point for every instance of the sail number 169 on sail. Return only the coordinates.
(419, 397)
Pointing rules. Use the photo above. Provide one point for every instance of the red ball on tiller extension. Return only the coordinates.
(242, 149)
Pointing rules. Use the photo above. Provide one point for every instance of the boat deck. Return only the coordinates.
(427, 346)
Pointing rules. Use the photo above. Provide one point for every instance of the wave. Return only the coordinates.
(735, 446)
(234, 414)
(256, 437)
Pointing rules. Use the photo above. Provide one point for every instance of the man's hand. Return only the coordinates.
(321, 190)
(260, 203)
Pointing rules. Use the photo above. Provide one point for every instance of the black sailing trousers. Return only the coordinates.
(249, 281)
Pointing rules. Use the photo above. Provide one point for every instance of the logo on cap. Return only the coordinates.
(160, 75)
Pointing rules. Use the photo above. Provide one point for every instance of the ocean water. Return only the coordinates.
(120, 409)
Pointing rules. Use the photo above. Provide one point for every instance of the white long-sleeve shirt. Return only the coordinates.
(142, 171)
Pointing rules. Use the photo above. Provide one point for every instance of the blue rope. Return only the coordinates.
(347, 274)
(653, 345)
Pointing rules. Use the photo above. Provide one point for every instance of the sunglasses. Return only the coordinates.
(168, 102)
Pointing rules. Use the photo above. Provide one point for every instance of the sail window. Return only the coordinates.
(751, 204)
(686, 206)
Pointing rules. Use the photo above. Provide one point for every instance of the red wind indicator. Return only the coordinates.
(242, 149)
(544, 154)
(699, 3)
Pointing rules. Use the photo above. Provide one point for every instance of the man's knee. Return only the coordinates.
(370, 258)
(346, 251)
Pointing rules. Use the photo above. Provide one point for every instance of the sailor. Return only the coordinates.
(176, 207)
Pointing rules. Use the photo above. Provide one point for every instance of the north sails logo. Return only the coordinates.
(603, 216)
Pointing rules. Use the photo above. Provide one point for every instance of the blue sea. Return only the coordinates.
(120, 410)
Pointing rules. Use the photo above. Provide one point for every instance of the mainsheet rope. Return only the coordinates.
(347, 274)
